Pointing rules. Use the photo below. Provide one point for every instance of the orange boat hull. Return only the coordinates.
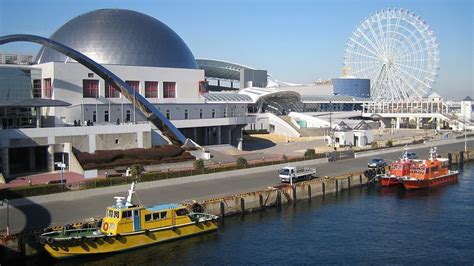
(431, 182)
(389, 181)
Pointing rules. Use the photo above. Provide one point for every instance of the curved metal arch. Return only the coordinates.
(150, 111)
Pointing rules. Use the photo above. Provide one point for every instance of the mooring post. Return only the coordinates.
(349, 182)
(260, 200)
(324, 188)
(360, 180)
(242, 205)
(337, 185)
(450, 160)
(309, 192)
(461, 159)
(293, 189)
(222, 207)
(278, 199)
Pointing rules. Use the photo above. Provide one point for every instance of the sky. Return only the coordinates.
(297, 41)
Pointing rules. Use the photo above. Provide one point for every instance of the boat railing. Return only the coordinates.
(74, 232)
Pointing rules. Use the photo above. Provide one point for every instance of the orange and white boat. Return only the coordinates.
(398, 169)
(429, 173)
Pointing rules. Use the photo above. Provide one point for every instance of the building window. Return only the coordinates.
(36, 88)
(232, 113)
(213, 113)
(151, 89)
(111, 91)
(106, 116)
(168, 115)
(135, 84)
(94, 116)
(200, 113)
(225, 112)
(169, 89)
(48, 88)
(90, 88)
(186, 114)
(127, 116)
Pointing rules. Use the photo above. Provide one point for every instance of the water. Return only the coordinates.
(366, 225)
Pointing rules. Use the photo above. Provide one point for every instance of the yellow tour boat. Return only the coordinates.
(127, 226)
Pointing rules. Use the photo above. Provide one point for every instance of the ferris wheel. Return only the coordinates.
(397, 51)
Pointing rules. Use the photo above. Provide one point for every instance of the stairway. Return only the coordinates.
(304, 132)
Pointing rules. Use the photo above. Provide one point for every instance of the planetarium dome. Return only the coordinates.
(121, 37)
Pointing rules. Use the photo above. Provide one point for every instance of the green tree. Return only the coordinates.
(199, 165)
(309, 153)
(241, 162)
(389, 143)
(136, 170)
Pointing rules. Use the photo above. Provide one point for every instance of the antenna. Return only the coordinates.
(130, 193)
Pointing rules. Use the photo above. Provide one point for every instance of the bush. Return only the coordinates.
(29, 191)
(389, 143)
(199, 165)
(374, 144)
(309, 153)
(241, 162)
(284, 158)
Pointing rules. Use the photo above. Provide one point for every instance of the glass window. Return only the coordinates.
(90, 88)
(111, 91)
(181, 212)
(127, 116)
(225, 112)
(94, 116)
(106, 116)
(168, 115)
(200, 113)
(126, 214)
(163, 215)
(213, 113)
(135, 84)
(151, 89)
(147, 217)
(116, 214)
(37, 88)
(156, 216)
(48, 88)
(186, 114)
(169, 89)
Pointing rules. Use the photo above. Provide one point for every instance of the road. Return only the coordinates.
(66, 211)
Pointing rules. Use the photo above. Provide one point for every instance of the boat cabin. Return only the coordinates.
(429, 169)
(126, 219)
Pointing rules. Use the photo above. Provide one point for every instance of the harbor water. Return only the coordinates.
(364, 225)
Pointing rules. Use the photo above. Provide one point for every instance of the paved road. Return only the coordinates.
(65, 211)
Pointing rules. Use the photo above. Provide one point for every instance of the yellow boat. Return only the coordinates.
(127, 226)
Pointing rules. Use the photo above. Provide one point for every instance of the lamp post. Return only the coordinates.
(8, 214)
(330, 123)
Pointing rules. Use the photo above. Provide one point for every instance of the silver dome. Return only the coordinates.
(121, 37)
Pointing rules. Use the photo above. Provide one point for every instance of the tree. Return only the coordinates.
(309, 153)
(389, 143)
(136, 170)
(241, 162)
(199, 165)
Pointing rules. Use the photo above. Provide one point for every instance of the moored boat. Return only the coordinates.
(127, 226)
(398, 168)
(429, 173)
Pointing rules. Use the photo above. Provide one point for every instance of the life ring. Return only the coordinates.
(42, 241)
(50, 240)
(105, 226)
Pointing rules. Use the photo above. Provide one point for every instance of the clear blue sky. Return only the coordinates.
(296, 41)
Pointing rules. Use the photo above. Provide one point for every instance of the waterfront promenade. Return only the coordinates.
(42, 211)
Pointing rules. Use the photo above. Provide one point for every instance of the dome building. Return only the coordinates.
(67, 106)
(121, 37)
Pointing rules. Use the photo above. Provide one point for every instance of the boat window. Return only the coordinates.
(163, 215)
(116, 214)
(126, 214)
(147, 217)
(181, 212)
(111, 213)
(135, 212)
(156, 216)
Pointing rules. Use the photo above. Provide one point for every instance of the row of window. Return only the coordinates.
(155, 216)
(167, 113)
(90, 89)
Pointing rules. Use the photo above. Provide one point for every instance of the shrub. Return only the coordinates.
(241, 162)
(284, 158)
(389, 143)
(199, 165)
(374, 144)
(309, 153)
(136, 170)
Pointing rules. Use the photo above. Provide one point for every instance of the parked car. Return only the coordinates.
(412, 156)
(377, 162)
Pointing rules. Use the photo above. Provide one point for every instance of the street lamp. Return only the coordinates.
(8, 214)
(330, 123)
